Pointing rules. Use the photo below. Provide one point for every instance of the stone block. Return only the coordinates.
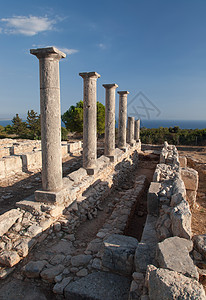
(200, 244)
(152, 198)
(72, 147)
(8, 219)
(2, 169)
(9, 258)
(78, 175)
(146, 249)
(166, 284)
(173, 254)
(51, 197)
(80, 260)
(118, 253)
(64, 148)
(13, 165)
(32, 160)
(50, 273)
(179, 187)
(34, 268)
(190, 178)
(183, 161)
(181, 220)
(191, 198)
(30, 206)
(99, 286)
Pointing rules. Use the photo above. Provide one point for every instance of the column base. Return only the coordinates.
(51, 197)
(123, 149)
(90, 171)
(133, 144)
(111, 157)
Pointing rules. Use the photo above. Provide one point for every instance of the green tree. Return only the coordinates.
(34, 124)
(64, 134)
(100, 118)
(19, 127)
(73, 118)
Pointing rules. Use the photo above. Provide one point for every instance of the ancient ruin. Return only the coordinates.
(106, 229)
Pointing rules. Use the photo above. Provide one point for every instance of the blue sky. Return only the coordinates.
(156, 47)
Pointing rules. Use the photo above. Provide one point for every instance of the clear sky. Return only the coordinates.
(157, 47)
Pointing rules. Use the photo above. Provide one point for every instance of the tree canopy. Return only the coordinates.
(73, 118)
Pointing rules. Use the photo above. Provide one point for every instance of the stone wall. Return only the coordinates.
(17, 157)
(31, 221)
(164, 254)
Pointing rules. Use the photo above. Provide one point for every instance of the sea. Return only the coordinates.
(183, 124)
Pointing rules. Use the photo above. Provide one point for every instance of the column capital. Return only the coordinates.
(123, 92)
(110, 86)
(90, 74)
(48, 52)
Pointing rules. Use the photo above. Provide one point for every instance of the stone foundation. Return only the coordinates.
(17, 157)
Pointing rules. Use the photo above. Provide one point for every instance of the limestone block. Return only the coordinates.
(200, 244)
(4, 152)
(102, 162)
(190, 178)
(72, 147)
(13, 164)
(2, 169)
(179, 187)
(60, 196)
(183, 161)
(191, 197)
(165, 284)
(152, 198)
(9, 258)
(173, 254)
(118, 253)
(78, 175)
(181, 220)
(8, 219)
(64, 149)
(146, 249)
(107, 286)
(30, 206)
(32, 160)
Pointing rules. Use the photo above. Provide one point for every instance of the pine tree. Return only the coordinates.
(34, 124)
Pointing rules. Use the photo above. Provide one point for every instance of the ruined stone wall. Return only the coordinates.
(164, 252)
(32, 221)
(17, 157)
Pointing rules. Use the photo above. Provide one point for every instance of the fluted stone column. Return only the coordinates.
(137, 130)
(109, 142)
(122, 126)
(50, 117)
(90, 121)
(130, 125)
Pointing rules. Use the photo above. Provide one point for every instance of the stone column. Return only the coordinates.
(137, 130)
(122, 126)
(109, 141)
(90, 121)
(130, 124)
(50, 117)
